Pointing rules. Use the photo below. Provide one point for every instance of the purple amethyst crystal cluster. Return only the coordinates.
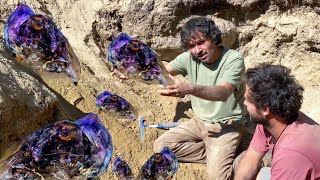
(131, 57)
(115, 105)
(62, 150)
(34, 39)
(122, 170)
(161, 165)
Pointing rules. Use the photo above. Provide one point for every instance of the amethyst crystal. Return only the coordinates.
(62, 150)
(34, 39)
(122, 170)
(161, 165)
(133, 58)
(114, 104)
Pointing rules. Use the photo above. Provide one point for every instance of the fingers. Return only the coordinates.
(162, 87)
(168, 92)
(168, 87)
(171, 95)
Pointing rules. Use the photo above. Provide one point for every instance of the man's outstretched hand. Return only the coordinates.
(181, 88)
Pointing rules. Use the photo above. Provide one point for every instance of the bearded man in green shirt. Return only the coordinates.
(217, 94)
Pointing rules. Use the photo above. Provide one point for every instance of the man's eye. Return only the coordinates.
(201, 42)
(191, 46)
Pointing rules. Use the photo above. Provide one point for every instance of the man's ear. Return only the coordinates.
(265, 111)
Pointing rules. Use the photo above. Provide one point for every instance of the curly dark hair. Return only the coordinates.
(203, 25)
(274, 87)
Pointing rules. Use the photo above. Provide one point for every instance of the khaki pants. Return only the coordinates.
(195, 141)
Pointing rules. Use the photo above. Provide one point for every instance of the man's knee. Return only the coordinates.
(220, 162)
(158, 145)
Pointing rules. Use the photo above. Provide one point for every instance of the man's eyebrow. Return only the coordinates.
(249, 98)
(195, 41)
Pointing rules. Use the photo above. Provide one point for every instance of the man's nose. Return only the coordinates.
(198, 49)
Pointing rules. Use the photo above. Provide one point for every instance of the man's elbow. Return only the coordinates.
(225, 96)
(225, 92)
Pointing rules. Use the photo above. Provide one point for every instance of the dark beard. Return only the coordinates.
(259, 120)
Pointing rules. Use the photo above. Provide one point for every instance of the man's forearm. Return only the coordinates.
(245, 171)
(248, 165)
(211, 93)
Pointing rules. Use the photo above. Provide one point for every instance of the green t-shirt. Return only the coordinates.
(229, 68)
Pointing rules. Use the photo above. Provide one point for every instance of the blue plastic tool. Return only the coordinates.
(164, 126)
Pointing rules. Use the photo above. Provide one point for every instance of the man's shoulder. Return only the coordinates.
(182, 63)
(300, 138)
(231, 56)
(184, 55)
(262, 131)
(232, 53)
(289, 164)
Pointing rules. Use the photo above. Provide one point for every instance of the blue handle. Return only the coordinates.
(168, 125)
